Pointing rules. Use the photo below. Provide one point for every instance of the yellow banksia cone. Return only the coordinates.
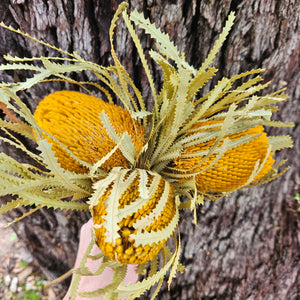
(235, 167)
(73, 119)
(152, 216)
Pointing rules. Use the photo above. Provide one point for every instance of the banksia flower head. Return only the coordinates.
(238, 166)
(73, 118)
(140, 221)
(131, 168)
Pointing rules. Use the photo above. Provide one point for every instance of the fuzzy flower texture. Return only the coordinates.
(73, 118)
(135, 169)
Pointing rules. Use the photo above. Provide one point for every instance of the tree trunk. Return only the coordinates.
(245, 246)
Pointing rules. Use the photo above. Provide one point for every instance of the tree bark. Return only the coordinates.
(245, 246)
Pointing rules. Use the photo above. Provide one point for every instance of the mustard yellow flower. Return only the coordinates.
(125, 249)
(135, 202)
(73, 119)
(234, 168)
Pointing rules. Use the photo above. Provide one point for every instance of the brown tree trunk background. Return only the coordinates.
(245, 246)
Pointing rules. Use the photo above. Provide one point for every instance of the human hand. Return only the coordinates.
(91, 283)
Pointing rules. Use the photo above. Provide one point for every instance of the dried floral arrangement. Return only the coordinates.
(134, 169)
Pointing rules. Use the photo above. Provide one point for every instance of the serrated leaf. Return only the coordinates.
(20, 127)
(26, 214)
(213, 96)
(182, 109)
(176, 260)
(18, 145)
(100, 162)
(199, 80)
(112, 207)
(156, 236)
(21, 66)
(109, 290)
(258, 167)
(76, 277)
(51, 161)
(139, 203)
(12, 167)
(219, 42)
(166, 47)
(140, 114)
(30, 185)
(141, 55)
(126, 145)
(18, 31)
(41, 133)
(10, 205)
(136, 289)
(234, 96)
(38, 200)
(165, 159)
(102, 185)
(278, 124)
(280, 142)
(143, 180)
(124, 95)
(6, 94)
(143, 222)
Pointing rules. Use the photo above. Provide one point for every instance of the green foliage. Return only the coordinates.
(31, 295)
(297, 198)
(13, 237)
(23, 263)
(169, 131)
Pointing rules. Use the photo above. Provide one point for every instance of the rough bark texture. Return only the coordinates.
(245, 246)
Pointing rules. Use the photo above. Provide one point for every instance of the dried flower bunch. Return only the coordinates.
(135, 169)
